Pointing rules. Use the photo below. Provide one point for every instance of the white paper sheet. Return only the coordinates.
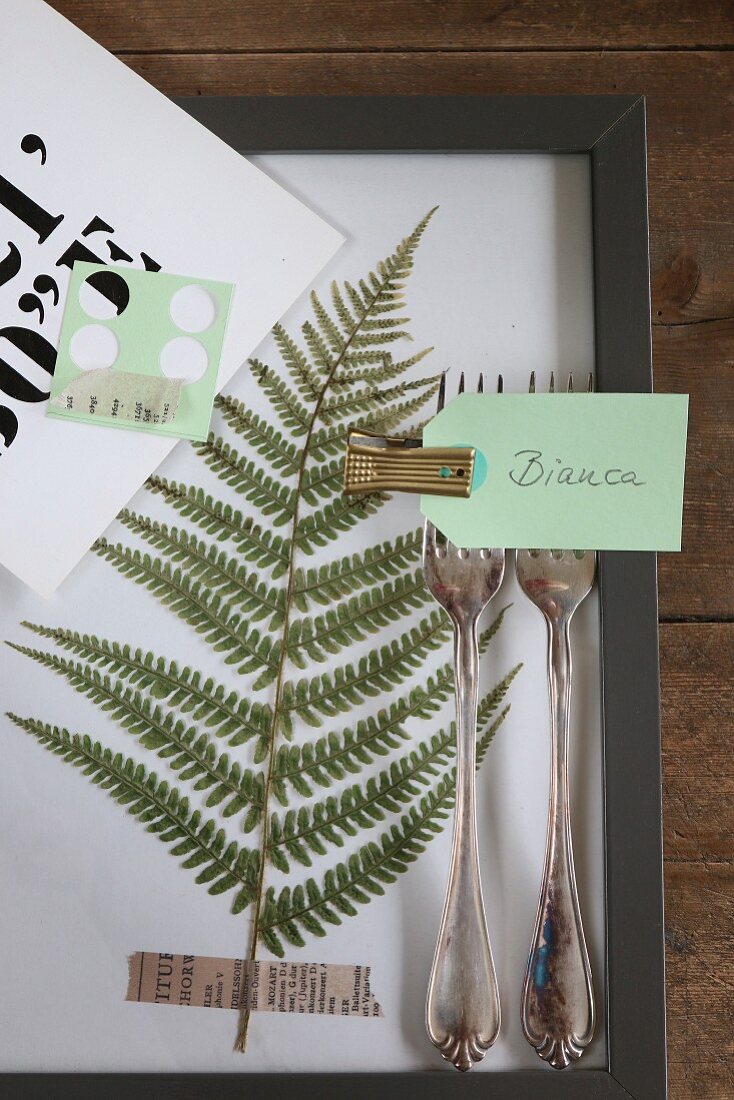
(119, 151)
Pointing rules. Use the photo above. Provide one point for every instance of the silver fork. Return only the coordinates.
(558, 996)
(462, 1007)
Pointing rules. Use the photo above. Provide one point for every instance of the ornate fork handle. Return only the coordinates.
(463, 1008)
(558, 998)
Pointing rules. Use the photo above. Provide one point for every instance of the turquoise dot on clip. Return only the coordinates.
(444, 472)
(481, 466)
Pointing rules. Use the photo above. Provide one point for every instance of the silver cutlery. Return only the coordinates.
(463, 1008)
(558, 996)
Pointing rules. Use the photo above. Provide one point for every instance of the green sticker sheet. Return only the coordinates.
(577, 471)
(140, 350)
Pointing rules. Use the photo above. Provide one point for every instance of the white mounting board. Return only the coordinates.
(503, 282)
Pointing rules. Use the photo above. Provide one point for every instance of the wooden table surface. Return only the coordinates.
(679, 56)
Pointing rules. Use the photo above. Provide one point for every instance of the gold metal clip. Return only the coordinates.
(377, 463)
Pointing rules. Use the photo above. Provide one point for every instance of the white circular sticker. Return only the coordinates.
(193, 309)
(94, 347)
(184, 358)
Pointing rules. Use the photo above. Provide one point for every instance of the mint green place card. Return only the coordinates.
(587, 471)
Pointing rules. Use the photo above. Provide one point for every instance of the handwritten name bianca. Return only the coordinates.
(533, 467)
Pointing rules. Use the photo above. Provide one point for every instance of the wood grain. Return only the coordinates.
(679, 56)
(697, 686)
(696, 358)
(229, 25)
(699, 915)
(691, 123)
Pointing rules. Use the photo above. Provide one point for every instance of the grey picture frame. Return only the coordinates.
(611, 131)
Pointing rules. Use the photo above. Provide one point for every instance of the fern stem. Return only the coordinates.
(241, 1039)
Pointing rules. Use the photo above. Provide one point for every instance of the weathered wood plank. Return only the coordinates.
(697, 714)
(690, 120)
(699, 918)
(697, 666)
(691, 250)
(229, 25)
(697, 359)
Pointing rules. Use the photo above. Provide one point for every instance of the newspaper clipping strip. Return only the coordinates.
(319, 989)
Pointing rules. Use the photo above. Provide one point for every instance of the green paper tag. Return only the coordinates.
(140, 350)
(575, 471)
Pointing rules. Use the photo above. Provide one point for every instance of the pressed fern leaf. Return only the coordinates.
(338, 755)
(318, 636)
(270, 496)
(263, 587)
(193, 602)
(357, 880)
(162, 809)
(279, 452)
(217, 708)
(319, 528)
(213, 567)
(337, 692)
(254, 543)
(310, 906)
(346, 575)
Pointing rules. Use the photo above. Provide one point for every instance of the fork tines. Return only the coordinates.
(569, 387)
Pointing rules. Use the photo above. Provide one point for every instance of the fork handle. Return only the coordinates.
(463, 1009)
(558, 996)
